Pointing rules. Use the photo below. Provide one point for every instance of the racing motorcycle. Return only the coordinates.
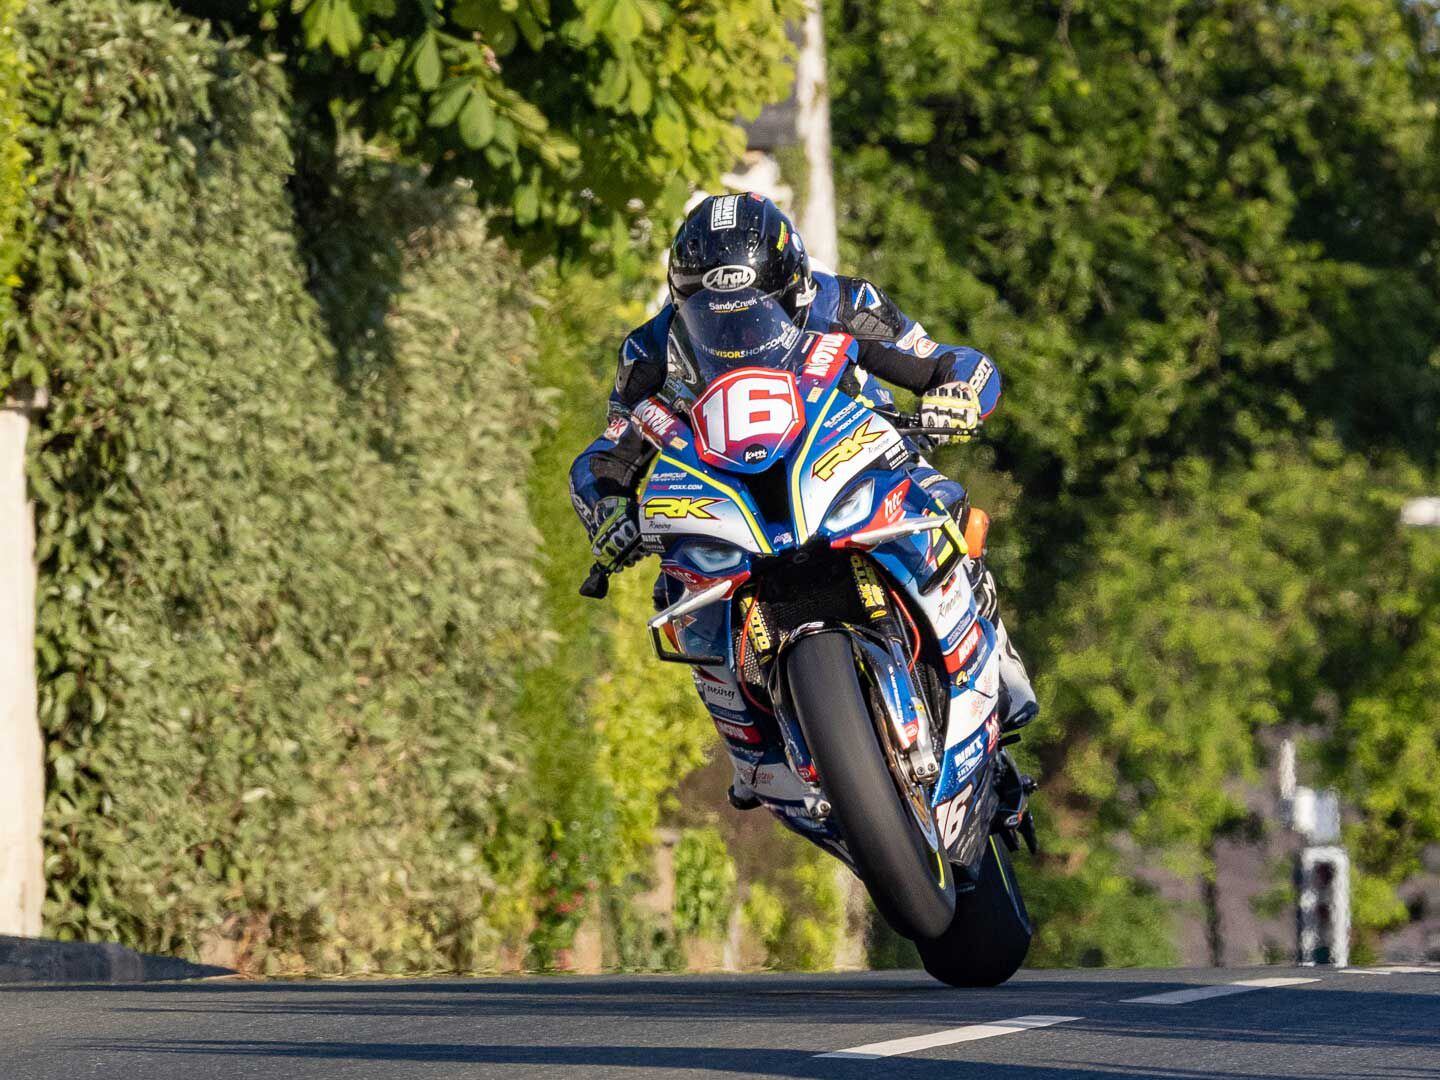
(825, 603)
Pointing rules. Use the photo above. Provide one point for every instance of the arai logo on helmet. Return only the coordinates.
(728, 278)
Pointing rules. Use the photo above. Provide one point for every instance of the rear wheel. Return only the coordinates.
(903, 868)
(987, 940)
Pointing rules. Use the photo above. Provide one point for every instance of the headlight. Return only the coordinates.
(852, 509)
(714, 558)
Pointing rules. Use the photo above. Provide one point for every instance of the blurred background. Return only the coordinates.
(308, 305)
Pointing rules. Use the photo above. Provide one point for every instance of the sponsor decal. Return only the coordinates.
(784, 235)
(729, 278)
(814, 395)
(718, 691)
(981, 375)
(722, 212)
(964, 760)
(725, 307)
(660, 477)
(969, 643)
(743, 734)
(953, 636)
(673, 507)
(908, 339)
(951, 596)
(827, 354)
(924, 347)
(753, 619)
(992, 733)
(843, 416)
(656, 421)
(755, 453)
(867, 583)
(950, 816)
(617, 428)
(847, 448)
(890, 506)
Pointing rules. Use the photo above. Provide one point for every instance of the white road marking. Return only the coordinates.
(1200, 993)
(948, 1037)
(1397, 970)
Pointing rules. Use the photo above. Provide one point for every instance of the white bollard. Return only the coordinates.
(22, 774)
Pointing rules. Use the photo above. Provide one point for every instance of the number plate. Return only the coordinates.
(747, 417)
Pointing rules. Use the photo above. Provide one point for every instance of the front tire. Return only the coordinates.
(987, 941)
(911, 884)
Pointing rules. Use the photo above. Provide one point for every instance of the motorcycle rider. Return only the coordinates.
(959, 387)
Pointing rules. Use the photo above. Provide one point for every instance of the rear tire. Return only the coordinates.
(913, 886)
(987, 941)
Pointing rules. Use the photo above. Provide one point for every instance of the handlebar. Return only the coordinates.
(911, 424)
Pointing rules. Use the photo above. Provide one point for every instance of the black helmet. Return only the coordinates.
(732, 242)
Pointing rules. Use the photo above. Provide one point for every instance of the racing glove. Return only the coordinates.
(615, 537)
(953, 406)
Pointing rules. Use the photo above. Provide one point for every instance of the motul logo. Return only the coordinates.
(823, 356)
(654, 419)
(728, 278)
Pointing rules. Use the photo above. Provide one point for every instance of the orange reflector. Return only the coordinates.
(977, 531)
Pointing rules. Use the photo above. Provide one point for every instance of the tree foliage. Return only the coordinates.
(1200, 242)
(573, 117)
(12, 167)
(284, 550)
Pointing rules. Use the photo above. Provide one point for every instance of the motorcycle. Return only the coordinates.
(824, 600)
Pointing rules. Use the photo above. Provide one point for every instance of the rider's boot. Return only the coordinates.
(741, 795)
(1019, 705)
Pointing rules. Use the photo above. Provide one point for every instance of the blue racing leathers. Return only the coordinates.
(892, 346)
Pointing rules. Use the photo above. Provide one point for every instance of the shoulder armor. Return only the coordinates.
(866, 312)
(642, 362)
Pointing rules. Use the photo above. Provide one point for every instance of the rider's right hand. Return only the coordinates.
(615, 539)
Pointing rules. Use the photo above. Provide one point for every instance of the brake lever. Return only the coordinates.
(597, 585)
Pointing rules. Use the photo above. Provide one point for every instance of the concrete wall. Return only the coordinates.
(22, 793)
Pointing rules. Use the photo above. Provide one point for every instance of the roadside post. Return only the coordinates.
(22, 766)
(1322, 869)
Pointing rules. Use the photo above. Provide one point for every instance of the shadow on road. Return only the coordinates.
(664, 1061)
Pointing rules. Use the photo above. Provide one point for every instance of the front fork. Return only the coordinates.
(903, 705)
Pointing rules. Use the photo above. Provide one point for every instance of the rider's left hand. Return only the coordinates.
(954, 407)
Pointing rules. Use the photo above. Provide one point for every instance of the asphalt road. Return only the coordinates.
(1355, 1024)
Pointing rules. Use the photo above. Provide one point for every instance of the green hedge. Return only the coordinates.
(12, 165)
(284, 540)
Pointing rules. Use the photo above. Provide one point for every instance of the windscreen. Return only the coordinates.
(722, 331)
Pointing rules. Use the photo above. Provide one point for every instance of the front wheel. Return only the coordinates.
(987, 941)
(906, 874)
